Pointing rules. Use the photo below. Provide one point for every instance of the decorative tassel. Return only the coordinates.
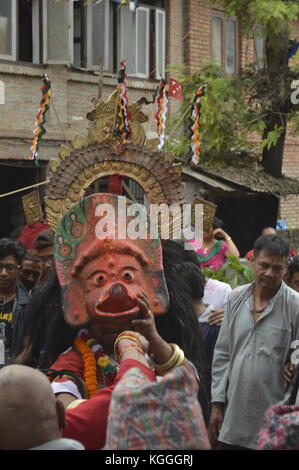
(195, 126)
(160, 115)
(122, 127)
(40, 130)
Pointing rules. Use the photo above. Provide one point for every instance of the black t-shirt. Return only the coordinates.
(6, 323)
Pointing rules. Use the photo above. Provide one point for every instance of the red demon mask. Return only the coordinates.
(101, 273)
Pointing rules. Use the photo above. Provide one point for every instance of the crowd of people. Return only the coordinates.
(216, 371)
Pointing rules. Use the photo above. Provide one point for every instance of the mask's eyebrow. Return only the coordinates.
(132, 268)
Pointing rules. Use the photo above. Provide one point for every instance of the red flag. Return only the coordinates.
(175, 89)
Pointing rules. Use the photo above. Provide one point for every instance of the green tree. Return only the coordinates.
(258, 100)
(227, 121)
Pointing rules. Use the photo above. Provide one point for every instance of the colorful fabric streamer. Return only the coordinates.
(160, 115)
(40, 130)
(123, 115)
(195, 126)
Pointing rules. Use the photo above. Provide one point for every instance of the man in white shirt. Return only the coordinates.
(216, 293)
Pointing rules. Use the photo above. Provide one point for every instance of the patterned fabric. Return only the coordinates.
(157, 416)
(281, 430)
(213, 258)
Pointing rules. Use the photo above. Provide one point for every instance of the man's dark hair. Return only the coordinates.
(10, 247)
(274, 245)
(175, 252)
(293, 267)
(180, 324)
(49, 334)
(217, 223)
(192, 278)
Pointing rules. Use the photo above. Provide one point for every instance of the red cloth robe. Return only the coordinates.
(87, 422)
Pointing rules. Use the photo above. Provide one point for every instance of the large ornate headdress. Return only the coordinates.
(97, 155)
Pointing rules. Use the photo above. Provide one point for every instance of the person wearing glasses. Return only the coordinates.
(13, 297)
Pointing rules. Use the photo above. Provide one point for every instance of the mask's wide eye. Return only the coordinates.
(127, 276)
(100, 279)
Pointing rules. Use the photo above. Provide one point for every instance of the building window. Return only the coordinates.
(160, 43)
(19, 30)
(2, 92)
(102, 31)
(231, 35)
(141, 40)
(78, 58)
(57, 32)
(97, 15)
(8, 29)
(217, 40)
(259, 46)
(224, 42)
(91, 34)
(86, 33)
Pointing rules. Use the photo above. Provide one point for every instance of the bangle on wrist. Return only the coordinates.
(174, 361)
(127, 349)
(228, 239)
(126, 335)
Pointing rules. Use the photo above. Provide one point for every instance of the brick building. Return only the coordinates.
(67, 39)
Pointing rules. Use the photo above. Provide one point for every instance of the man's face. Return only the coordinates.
(111, 284)
(269, 270)
(46, 258)
(9, 272)
(30, 273)
(294, 281)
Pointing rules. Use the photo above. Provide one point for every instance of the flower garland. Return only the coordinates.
(195, 125)
(160, 115)
(40, 130)
(93, 356)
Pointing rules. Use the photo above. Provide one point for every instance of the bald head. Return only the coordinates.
(268, 231)
(29, 413)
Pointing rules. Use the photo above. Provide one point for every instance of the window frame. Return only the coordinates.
(221, 15)
(13, 55)
(150, 74)
(88, 38)
(120, 55)
(40, 44)
(137, 74)
(158, 75)
(255, 37)
(70, 17)
(36, 30)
